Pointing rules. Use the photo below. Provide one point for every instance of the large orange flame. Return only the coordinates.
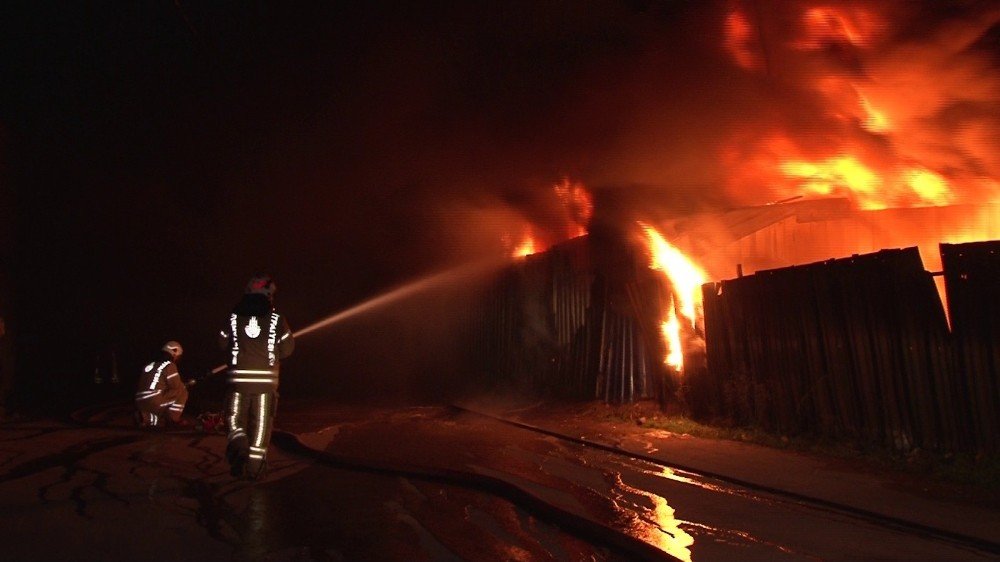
(899, 124)
(846, 175)
(686, 279)
(685, 276)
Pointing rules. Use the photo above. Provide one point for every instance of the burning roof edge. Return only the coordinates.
(744, 221)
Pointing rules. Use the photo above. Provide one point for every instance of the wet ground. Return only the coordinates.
(442, 483)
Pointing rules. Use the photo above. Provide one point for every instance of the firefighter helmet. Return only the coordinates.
(173, 349)
(261, 284)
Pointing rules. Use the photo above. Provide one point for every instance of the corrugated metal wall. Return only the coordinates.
(856, 348)
(563, 324)
(853, 348)
(972, 285)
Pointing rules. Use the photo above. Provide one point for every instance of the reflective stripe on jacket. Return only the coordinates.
(159, 380)
(255, 346)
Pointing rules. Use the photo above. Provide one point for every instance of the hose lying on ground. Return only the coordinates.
(586, 529)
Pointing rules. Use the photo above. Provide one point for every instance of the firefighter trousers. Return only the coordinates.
(249, 418)
(153, 411)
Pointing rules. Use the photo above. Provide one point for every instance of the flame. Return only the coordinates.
(578, 204)
(929, 187)
(527, 245)
(686, 278)
(837, 174)
(671, 330)
(876, 121)
(897, 119)
(824, 25)
(739, 39)
(845, 175)
(526, 248)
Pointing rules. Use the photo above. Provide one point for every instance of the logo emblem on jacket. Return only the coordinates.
(253, 328)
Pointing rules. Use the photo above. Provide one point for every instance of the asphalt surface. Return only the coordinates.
(912, 502)
(433, 482)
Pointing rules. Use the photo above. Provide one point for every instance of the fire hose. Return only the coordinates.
(210, 373)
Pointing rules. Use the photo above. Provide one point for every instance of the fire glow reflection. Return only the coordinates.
(660, 526)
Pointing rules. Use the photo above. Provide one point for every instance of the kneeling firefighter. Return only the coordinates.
(161, 395)
(256, 338)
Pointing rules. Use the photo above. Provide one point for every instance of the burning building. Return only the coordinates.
(831, 293)
(855, 347)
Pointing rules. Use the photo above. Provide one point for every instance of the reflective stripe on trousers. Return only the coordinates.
(250, 415)
(157, 407)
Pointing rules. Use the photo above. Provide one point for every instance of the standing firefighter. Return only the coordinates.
(161, 395)
(256, 338)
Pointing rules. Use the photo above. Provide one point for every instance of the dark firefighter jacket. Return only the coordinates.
(160, 383)
(256, 339)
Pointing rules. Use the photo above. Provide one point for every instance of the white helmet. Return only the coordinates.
(173, 349)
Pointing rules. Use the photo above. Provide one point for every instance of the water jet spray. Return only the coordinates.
(394, 295)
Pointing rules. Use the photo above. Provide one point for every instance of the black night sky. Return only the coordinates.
(161, 152)
(156, 154)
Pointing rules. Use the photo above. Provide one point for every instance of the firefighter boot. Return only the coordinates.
(237, 454)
